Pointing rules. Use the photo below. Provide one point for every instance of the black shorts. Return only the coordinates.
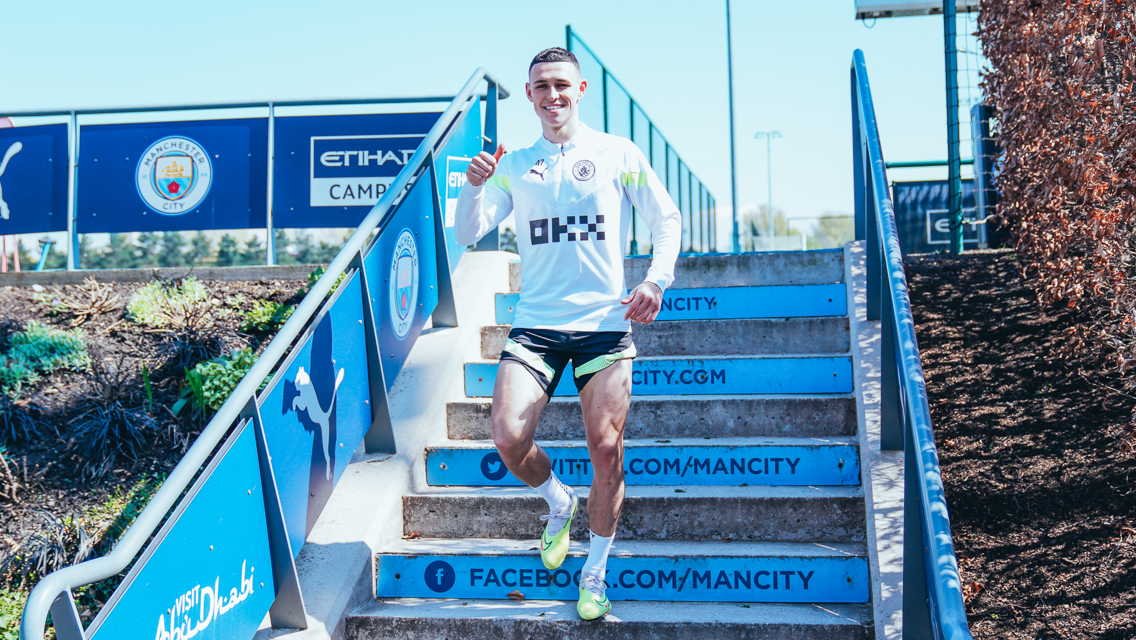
(546, 353)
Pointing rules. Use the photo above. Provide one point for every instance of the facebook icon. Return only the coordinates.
(439, 576)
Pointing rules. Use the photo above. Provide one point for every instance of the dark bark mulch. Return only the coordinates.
(1036, 453)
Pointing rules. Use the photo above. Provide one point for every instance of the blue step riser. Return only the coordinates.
(704, 377)
(726, 303)
(714, 579)
(797, 465)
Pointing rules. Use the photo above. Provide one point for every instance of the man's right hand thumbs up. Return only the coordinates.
(483, 166)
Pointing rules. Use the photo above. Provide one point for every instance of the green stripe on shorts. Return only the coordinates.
(595, 365)
(530, 358)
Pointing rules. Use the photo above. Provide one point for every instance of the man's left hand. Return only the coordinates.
(643, 303)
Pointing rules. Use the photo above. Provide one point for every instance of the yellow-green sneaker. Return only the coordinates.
(593, 599)
(553, 548)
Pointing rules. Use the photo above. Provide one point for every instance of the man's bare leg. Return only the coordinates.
(606, 399)
(517, 404)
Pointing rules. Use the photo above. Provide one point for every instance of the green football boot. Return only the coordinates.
(554, 548)
(593, 599)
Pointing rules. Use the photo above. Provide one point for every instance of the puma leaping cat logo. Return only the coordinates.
(12, 150)
(308, 401)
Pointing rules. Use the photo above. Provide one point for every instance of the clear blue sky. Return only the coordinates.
(791, 63)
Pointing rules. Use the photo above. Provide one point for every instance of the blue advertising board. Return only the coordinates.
(722, 303)
(33, 179)
(670, 579)
(318, 409)
(211, 575)
(402, 275)
(329, 171)
(172, 176)
(783, 465)
(450, 166)
(710, 376)
(922, 215)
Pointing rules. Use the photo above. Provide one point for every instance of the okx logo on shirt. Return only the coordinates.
(540, 231)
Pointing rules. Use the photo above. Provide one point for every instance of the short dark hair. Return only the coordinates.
(555, 54)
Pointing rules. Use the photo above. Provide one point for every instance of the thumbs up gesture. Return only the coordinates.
(483, 166)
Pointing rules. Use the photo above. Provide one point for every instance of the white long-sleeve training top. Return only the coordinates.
(573, 205)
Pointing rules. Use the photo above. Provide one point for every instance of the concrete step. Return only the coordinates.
(405, 618)
(682, 376)
(757, 336)
(723, 303)
(752, 513)
(643, 571)
(747, 269)
(679, 462)
(681, 417)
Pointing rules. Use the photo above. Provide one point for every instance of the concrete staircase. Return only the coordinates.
(744, 515)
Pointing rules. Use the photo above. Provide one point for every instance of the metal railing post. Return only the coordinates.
(891, 414)
(874, 256)
(916, 599)
(73, 194)
(270, 240)
(954, 171)
(859, 167)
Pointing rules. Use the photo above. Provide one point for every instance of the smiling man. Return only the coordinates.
(573, 194)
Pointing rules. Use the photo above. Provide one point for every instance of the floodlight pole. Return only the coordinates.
(954, 158)
(733, 163)
(769, 136)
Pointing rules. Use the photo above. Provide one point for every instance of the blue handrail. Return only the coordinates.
(53, 592)
(932, 588)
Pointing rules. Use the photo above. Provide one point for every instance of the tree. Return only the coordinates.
(87, 254)
(200, 249)
(172, 253)
(253, 253)
(149, 246)
(283, 247)
(227, 253)
(121, 252)
(508, 240)
(755, 220)
(834, 230)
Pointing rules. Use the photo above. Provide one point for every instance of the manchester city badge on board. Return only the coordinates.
(174, 175)
(403, 283)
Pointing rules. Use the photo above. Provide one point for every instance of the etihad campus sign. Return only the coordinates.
(174, 175)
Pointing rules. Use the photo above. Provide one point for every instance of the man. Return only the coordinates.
(572, 194)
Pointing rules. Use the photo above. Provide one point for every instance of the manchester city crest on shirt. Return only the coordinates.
(174, 175)
(403, 283)
(584, 170)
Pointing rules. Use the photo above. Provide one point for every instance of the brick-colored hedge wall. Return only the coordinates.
(1062, 86)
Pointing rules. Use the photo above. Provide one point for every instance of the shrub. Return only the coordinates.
(57, 544)
(209, 384)
(114, 423)
(314, 277)
(16, 426)
(161, 302)
(11, 609)
(266, 315)
(39, 350)
(1062, 86)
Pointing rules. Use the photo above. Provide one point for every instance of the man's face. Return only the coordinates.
(555, 88)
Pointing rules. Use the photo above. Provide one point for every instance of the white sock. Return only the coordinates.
(596, 565)
(557, 496)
